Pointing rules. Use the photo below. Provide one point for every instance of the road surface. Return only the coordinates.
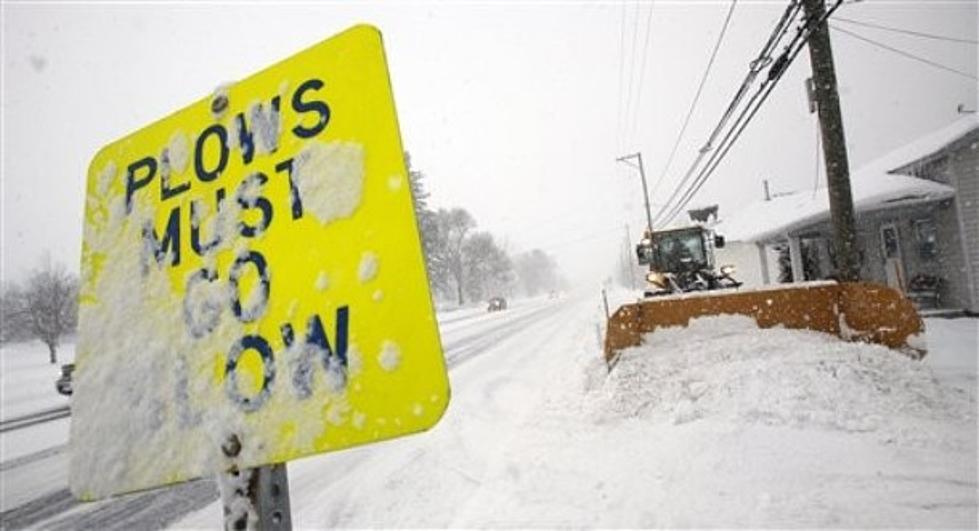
(479, 348)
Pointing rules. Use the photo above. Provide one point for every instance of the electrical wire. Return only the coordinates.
(755, 67)
(632, 75)
(907, 31)
(763, 60)
(903, 53)
(621, 114)
(696, 97)
(642, 72)
(775, 73)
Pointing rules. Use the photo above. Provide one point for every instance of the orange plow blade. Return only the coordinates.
(857, 311)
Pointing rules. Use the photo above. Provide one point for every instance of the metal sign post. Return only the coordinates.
(256, 498)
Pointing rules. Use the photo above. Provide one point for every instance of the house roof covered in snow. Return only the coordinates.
(875, 185)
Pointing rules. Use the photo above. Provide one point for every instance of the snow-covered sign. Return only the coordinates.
(253, 282)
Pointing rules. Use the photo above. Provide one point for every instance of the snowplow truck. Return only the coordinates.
(682, 260)
(681, 288)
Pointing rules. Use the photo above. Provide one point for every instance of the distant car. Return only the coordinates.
(496, 304)
(63, 385)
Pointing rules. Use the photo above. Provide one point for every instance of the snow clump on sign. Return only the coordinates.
(390, 356)
(368, 267)
(106, 176)
(266, 122)
(178, 151)
(322, 281)
(330, 179)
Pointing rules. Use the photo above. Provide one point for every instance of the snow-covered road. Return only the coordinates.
(475, 342)
(719, 425)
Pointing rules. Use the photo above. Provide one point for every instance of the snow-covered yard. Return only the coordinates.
(722, 424)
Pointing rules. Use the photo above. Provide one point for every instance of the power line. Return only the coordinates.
(621, 116)
(632, 73)
(763, 60)
(777, 70)
(903, 53)
(696, 98)
(732, 135)
(907, 31)
(755, 67)
(642, 71)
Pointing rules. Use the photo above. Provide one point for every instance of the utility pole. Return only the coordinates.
(628, 259)
(834, 142)
(642, 174)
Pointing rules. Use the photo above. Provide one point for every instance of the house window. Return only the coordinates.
(926, 238)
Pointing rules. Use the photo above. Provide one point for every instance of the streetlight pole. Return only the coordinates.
(642, 174)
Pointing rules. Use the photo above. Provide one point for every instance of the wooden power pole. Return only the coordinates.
(834, 143)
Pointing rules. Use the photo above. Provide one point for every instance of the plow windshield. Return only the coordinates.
(679, 251)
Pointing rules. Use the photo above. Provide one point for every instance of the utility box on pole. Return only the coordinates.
(834, 142)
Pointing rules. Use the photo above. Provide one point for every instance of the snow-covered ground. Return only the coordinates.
(28, 378)
(719, 424)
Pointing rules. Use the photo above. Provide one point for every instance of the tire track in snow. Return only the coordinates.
(30, 458)
(460, 351)
(160, 508)
(386, 477)
(35, 418)
(147, 510)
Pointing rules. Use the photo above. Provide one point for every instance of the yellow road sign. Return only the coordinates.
(253, 285)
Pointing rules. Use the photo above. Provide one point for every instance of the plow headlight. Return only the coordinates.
(727, 270)
(656, 278)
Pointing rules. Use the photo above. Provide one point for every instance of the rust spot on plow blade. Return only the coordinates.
(858, 311)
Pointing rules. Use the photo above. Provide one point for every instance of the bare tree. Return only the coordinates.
(489, 270)
(47, 306)
(454, 226)
(13, 325)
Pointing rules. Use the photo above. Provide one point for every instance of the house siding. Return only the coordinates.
(956, 224)
(949, 263)
(964, 170)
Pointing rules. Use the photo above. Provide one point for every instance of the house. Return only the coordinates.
(917, 211)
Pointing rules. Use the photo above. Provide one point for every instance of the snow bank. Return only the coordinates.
(725, 368)
(721, 424)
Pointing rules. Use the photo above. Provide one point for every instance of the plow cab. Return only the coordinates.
(682, 260)
(857, 311)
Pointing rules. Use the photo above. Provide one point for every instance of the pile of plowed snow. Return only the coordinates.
(726, 368)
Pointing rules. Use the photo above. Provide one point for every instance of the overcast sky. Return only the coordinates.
(512, 110)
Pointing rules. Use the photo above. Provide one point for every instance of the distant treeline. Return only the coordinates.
(465, 264)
